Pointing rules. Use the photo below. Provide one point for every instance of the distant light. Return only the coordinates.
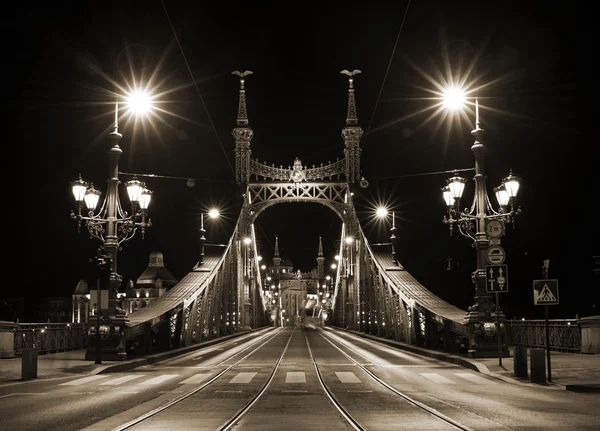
(349, 239)
(247, 240)
(454, 98)
(382, 212)
(214, 213)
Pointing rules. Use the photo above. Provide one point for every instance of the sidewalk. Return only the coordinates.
(570, 371)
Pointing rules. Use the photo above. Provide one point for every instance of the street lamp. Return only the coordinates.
(213, 214)
(111, 224)
(382, 213)
(481, 222)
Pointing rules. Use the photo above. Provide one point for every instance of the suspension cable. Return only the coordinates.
(196, 86)
(385, 76)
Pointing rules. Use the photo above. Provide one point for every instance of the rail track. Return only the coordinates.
(349, 417)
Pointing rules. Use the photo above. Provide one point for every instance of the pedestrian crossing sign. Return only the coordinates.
(545, 292)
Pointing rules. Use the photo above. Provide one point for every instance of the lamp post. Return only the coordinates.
(213, 214)
(112, 225)
(382, 213)
(484, 225)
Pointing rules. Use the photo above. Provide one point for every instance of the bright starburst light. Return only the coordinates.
(454, 98)
(139, 102)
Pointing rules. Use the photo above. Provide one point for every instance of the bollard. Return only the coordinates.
(29, 364)
(538, 366)
(520, 361)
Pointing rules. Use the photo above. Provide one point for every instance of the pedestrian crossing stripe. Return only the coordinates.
(546, 295)
(292, 377)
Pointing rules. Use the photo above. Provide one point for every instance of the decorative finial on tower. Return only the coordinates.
(320, 254)
(351, 117)
(242, 119)
(276, 253)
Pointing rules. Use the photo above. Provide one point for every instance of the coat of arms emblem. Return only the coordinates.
(297, 173)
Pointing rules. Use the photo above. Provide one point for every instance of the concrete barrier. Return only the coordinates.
(29, 364)
(7, 339)
(590, 334)
(538, 365)
(520, 361)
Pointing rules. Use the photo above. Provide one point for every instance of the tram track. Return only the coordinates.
(432, 411)
(344, 412)
(140, 419)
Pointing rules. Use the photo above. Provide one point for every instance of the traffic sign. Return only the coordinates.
(545, 292)
(496, 278)
(495, 255)
(494, 229)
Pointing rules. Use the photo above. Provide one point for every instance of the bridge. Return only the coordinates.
(372, 292)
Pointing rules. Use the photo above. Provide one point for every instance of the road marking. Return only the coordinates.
(122, 380)
(197, 358)
(347, 377)
(295, 377)
(84, 380)
(126, 392)
(475, 379)
(296, 391)
(198, 378)
(359, 392)
(23, 393)
(158, 380)
(243, 378)
(437, 378)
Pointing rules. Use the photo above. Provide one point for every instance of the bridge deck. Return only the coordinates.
(412, 289)
(175, 296)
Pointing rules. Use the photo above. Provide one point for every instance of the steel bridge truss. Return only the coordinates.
(375, 295)
(217, 298)
(263, 195)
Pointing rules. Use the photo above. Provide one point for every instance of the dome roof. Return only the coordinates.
(82, 288)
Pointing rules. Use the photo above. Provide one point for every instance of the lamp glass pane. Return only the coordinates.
(502, 196)
(457, 186)
(512, 187)
(91, 199)
(134, 189)
(144, 199)
(79, 188)
(448, 196)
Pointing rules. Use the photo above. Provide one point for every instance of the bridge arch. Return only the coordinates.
(334, 196)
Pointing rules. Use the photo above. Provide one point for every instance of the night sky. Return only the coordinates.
(64, 62)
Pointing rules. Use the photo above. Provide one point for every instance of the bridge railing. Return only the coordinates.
(50, 337)
(565, 334)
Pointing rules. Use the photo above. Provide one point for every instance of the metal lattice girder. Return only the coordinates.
(332, 195)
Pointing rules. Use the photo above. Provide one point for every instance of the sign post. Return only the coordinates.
(496, 277)
(545, 292)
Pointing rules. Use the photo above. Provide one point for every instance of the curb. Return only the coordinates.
(594, 387)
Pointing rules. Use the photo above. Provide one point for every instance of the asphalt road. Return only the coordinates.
(292, 379)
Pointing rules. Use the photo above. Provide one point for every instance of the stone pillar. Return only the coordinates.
(7, 339)
(590, 334)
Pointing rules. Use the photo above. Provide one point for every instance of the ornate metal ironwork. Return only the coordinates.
(565, 334)
(50, 337)
(264, 172)
(263, 195)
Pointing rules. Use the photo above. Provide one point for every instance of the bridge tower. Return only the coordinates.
(320, 262)
(242, 135)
